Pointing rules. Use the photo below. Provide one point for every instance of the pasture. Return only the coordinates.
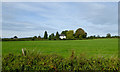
(89, 48)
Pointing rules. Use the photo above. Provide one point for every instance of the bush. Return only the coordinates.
(38, 62)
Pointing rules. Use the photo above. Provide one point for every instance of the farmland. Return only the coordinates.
(93, 47)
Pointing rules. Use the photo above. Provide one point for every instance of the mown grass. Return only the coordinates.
(89, 48)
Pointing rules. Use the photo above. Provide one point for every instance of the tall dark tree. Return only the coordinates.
(57, 35)
(45, 35)
(15, 37)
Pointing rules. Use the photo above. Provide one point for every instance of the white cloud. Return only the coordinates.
(95, 18)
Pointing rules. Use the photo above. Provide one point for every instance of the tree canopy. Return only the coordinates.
(64, 32)
(15, 37)
(39, 37)
(52, 36)
(81, 32)
(108, 35)
(70, 34)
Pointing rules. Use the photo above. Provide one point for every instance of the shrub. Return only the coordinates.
(53, 62)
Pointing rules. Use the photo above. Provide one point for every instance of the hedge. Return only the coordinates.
(53, 62)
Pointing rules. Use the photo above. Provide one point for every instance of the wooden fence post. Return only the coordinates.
(23, 54)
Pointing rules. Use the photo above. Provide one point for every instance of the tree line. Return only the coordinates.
(79, 34)
(70, 35)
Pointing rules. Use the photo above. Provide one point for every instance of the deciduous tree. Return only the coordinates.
(81, 32)
(108, 35)
(64, 32)
(70, 34)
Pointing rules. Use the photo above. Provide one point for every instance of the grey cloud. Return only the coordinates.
(24, 26)
(100, 13)
(98, 17)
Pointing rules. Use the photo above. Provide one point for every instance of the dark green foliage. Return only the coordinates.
(84, 35)
(108, 35)
(37, 62)
(45, 35)
(64, 32)
(49, 37)
(15, 37)
(34, 38)
(57, 35)
(115, 37)
(80, 37)
(52, 36)
(70, 34)
(39, 37)
(92, 37)
(81, 32)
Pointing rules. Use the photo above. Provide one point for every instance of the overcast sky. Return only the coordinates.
(26, 19)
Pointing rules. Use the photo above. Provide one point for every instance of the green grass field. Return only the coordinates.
(95, 47)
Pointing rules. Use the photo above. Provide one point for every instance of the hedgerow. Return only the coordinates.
(53, 62)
